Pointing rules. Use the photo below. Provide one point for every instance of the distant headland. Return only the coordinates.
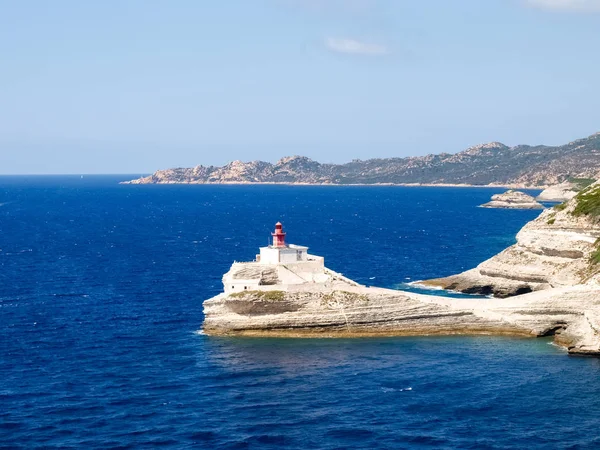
(492, 164)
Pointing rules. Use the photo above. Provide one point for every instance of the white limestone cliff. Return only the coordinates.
(341, 308)
(549, 275)
(552, 251)
(559, 192)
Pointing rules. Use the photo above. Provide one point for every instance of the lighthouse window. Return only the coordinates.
(245, 287)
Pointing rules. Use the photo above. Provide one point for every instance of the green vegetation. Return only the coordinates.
(551, 221)
(263, 295)
(560, 206)
(595, 256)
(581, 183)
(588, 202)
(346, 296)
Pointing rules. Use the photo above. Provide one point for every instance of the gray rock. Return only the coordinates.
(513, 200)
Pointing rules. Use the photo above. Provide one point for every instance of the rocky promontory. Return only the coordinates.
(571, 315)
(551, 276)
(513, 200)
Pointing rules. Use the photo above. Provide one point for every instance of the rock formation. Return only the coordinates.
(513, 200)
(572, 314)
(564, 191)
(554, 250)
(486, 164)
(550, 273)
(558, 193)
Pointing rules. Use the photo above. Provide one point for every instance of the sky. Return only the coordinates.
(132, 86)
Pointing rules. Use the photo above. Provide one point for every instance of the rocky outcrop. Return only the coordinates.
(551, 276)
(570, 314)
(555, 250)
(513, 200)
(564, 191)
(558, 193)
(486, 164)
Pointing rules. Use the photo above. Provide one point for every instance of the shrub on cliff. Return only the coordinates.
(263, 295)
(588, 202)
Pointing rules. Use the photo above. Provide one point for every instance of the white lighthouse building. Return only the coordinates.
(279, 266)
(280, 252)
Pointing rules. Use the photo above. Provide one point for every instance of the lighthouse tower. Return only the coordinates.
(278, 236)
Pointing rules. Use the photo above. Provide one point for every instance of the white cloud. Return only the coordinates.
(566, 5)
(345, 45)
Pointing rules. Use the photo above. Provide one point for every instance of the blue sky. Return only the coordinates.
(131, 86)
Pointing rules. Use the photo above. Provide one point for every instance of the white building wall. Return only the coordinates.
(285, 255)
(269, 255)
(236, 285)
(316, 265)
(301, 252)
(293, 264)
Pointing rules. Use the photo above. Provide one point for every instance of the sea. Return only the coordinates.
(101, 343)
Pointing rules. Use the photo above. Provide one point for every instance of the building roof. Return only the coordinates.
(288, 247)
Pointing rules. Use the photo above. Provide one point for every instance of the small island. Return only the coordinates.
(547, 284)
(513, 200)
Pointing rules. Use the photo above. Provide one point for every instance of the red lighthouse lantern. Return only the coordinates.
(278, 236)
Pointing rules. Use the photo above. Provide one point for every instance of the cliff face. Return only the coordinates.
(345, 309)
(493, 163)
(351, 312)
(559, 248)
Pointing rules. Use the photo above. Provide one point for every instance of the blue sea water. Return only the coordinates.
(101, 290)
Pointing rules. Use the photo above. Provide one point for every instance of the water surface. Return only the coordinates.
(101, 302)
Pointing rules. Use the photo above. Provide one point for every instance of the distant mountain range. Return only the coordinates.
(486, 164)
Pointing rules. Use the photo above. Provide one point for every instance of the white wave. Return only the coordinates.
(418, 284)
(560, 347)
(384, 389)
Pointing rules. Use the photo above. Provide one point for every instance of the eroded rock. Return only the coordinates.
(513, 200)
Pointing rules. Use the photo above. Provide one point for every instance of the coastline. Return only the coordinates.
(235, 183)
(568, 315)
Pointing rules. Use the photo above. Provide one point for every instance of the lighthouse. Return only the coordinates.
(278, 236)
(279, 266)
